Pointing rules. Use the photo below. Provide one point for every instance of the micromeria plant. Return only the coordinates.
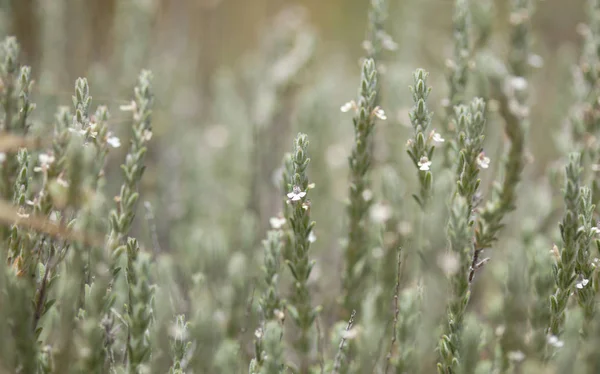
(85, 286)
(470, 123)
(566, 257)
(360, 195)
(420, 147)
(300, 306)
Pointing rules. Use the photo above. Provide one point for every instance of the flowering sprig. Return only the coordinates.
(470, 123)
(584, 289)
(287, 184)
(121, 218)
(300, 309)
(360, 162)
(270, 354)
(564, 271)
(133, 168)
(420, 146)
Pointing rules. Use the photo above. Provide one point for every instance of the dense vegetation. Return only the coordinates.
(442, 218)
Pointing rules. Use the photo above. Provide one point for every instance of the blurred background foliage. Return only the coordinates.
(196, 48)
(235, 80)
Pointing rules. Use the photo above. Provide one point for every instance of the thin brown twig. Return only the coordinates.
(12, 143)
(396, 312)
(338, 357)
(9, 215)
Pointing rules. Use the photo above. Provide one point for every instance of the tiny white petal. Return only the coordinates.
(554, 341)
(128, 107)
(147, 135)
(438, 138)
(346, 107)
(424, 163)
(582, 283)
(113, 141)
(379, 113)
(483, 161)
(312, 237)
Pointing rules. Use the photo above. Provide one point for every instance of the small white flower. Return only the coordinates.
(436, 137)
(424, 163)
(147, 135)
(128, 107)
(277, 222)
(595, 230)
(312, 237)
(2, 157)
(296, 194)
(582, 283)
(113, 141)
(516, 356)
(349, 105)
(379, 113)
(553, 341)
(258, 333)
(483, 161)
(45, 161)
(93, 129)
(279, 314)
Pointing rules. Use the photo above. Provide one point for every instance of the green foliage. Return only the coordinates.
(92, 280)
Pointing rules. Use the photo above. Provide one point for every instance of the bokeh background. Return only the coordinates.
(235, 80)
(199, 50)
